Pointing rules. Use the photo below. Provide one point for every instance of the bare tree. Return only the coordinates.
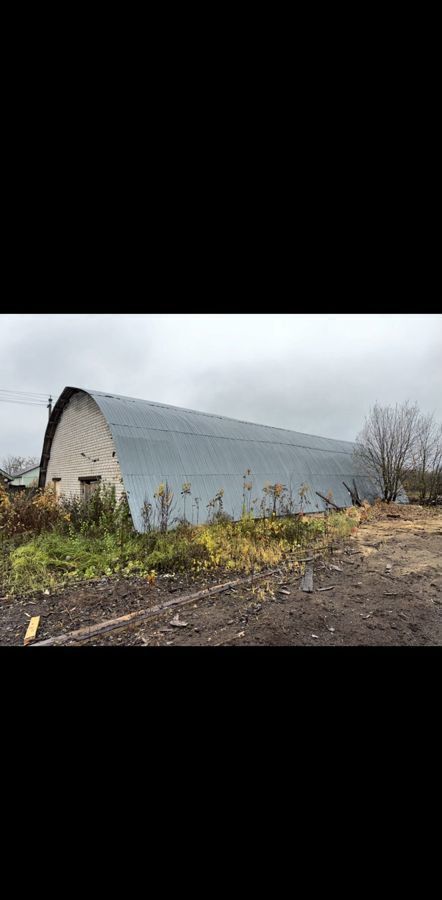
(425, 472)
(13, 465)
(435, 476)
(386, 445)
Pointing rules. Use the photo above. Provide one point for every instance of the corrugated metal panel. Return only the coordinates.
(157, 443)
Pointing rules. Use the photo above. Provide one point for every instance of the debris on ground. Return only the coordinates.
(414, 597)
(177, 623)
(307, 581)
(32, 629)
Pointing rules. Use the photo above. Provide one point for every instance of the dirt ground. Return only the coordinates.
(383, 586)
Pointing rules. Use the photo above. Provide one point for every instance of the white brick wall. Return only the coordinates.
(82, 428)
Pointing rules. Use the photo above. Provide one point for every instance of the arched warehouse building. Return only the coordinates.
(94, 437)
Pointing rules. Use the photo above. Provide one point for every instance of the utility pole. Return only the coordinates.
(49, 407)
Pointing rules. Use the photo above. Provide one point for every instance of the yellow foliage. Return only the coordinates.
(353, 513)
(30, 512)
(227, 546)
(5, 503)
(46, 501)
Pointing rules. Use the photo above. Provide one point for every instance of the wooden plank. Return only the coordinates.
(358, 499)
(354, 496)
(89, 631)
(326, 500)
(133, 618)
(32, 629)
(307, 581)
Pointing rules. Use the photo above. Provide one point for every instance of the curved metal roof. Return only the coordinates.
(156, 443)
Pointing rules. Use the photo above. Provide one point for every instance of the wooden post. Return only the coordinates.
(327, 500)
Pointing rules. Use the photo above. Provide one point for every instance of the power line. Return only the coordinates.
(24, 402)
(27, 398)
(23, 399)
(37, 394)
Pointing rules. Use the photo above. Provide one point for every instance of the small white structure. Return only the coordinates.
(27, 478)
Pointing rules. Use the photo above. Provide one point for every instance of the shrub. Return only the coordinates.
(75, 539)
(30, 511)
(29, 569)
(101, 513)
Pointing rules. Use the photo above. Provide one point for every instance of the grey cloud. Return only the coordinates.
(317, 374)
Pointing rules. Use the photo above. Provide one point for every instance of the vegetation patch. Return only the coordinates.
(45, 544)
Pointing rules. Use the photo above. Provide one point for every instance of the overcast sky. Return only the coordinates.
(315, 373)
